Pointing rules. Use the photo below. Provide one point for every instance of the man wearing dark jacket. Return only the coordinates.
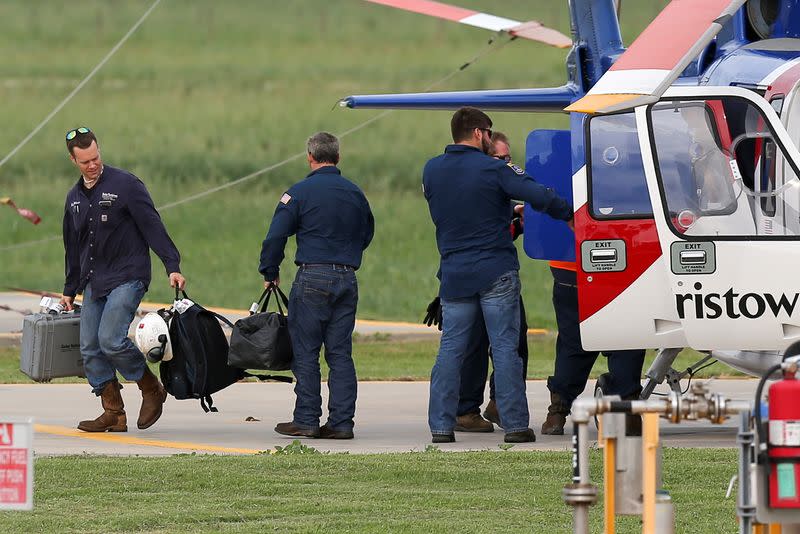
(110, 225)
(468, 194)
(334, 225)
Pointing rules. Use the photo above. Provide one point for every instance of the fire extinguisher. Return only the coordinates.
(783, 446)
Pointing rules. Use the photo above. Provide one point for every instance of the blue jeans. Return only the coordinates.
(322, 310)
(475, 366)
(105, 345)
(499, 304)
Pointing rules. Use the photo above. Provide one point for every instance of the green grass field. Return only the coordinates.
(410, 492)
(205, 93)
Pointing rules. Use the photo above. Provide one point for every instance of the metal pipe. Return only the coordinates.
(699, 404)
(582, 509)
(738, 406)
(746, 508)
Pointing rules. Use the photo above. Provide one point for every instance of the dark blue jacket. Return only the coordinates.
(107, 237)
(468, 195)
(331, 218)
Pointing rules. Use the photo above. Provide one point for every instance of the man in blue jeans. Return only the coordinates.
(468, 194)
(110, 225)
(334, 225)
(475, 366)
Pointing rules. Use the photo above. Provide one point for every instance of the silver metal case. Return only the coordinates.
(51, 346)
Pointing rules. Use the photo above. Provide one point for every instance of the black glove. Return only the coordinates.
(517, 227)
(433, 315)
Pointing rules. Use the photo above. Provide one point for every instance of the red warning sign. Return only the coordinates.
(16, 465)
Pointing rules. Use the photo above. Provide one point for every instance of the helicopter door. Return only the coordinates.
(788, 107)
(733, 279)
(621, 300)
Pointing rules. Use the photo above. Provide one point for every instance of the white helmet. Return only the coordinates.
(152, 338)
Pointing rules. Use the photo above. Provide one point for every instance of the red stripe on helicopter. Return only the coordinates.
(428, 7)
(642, 249)
(783, 83)
(671, 35)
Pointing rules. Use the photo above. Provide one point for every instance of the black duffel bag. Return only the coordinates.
(198, 367)
(262, 341)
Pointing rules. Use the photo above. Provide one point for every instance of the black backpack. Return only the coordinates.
(199, 365)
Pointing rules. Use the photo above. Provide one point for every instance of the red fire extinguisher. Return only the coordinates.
(783, 452)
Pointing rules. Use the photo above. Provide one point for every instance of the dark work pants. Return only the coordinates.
(476, 365)
(322, 311)
(573, 364)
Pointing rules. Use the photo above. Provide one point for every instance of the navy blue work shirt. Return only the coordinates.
(332, 220)
(108, 231)
(468, 196)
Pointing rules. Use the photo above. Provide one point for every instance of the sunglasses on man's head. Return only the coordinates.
(504, 157)
(72, 133)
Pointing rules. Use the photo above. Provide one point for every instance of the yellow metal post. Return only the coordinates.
(774, 528)
(609, 482)
(649, 457)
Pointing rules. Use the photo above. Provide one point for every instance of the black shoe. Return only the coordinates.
(443, 438)
(523, 436)
(290, 429)
(326, 432)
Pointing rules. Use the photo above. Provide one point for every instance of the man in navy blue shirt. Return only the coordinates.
(333, 222)
(468, 194)
(110, 225)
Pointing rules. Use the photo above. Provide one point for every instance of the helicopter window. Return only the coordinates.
(618, 188)
(777, 104)
(769, 166)
(767, 178)
(718, 166)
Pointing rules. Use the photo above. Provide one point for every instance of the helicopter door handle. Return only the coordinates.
(693, 257)
(603, 255)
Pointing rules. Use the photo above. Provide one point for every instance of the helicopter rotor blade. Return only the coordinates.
(532, 30)
(647, 68)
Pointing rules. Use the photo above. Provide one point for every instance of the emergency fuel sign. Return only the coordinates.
(16, 464)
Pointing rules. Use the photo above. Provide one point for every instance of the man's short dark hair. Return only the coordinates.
(467, 119)
(81, 140)
(324, 147)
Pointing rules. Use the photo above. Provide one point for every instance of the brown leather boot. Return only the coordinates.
(556, 416)
(113, 418)
(153, 397)
(491, 413)
(473, 422)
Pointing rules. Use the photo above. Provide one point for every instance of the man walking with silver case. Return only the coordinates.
(110, 225)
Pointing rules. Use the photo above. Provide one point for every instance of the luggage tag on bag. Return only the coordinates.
(254, 308)
(182, 305)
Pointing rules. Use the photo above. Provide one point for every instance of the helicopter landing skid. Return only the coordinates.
(662, 370)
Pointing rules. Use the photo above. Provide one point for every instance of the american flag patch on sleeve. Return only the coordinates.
(286, 198)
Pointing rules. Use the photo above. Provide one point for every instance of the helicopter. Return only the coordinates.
(682, 164)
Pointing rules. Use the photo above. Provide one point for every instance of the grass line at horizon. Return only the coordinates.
(430, 491)
(381, 358)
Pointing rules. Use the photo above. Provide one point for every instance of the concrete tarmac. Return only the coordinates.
(390, 417)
